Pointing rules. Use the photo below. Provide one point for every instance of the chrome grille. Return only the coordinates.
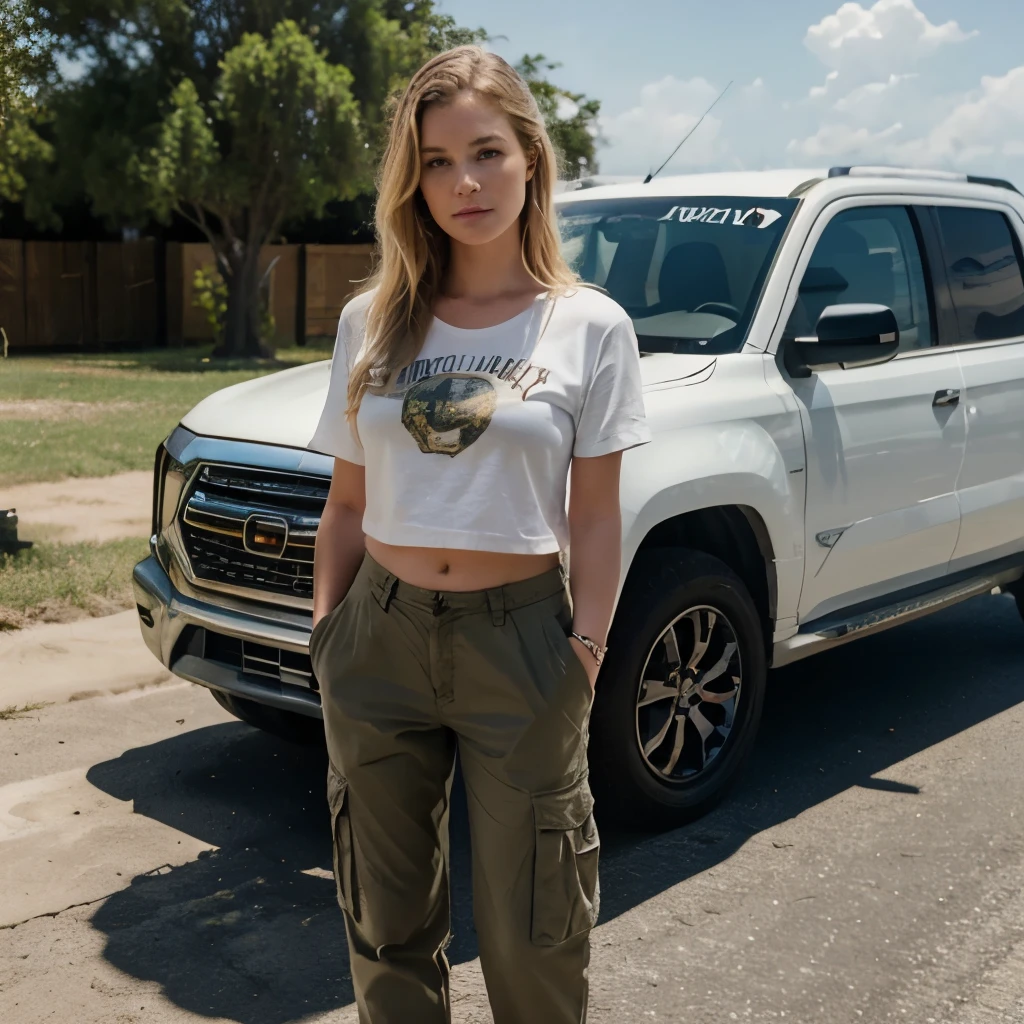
(253, 529)
(257, 661)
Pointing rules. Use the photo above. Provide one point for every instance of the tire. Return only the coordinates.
(286, 725)
(635, 780)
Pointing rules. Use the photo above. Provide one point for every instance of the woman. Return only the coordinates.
(480, 370)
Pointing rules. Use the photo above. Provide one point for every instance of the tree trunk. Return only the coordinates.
(242, 321)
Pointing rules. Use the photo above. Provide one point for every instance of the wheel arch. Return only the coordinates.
(734, 534)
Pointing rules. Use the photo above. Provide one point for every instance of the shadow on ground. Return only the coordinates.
(252, 933)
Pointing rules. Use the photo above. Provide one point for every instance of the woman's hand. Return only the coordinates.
(587, 659)
(595, 542)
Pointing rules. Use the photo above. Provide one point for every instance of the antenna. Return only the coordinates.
(688, 134)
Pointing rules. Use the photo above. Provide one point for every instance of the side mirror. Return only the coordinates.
(846, 335)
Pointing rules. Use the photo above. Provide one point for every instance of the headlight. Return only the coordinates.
(170, 491)
(168, 483)
(170, 477)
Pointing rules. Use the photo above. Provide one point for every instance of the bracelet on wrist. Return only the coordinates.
(595, 648)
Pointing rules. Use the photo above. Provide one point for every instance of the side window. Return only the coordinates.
(869, 254)
(983, 264)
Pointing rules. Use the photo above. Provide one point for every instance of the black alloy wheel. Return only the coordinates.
(680, 694)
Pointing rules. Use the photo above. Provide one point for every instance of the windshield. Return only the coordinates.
(688, 271)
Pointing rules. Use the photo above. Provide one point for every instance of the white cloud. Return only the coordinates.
(874, 47)
(988, 123)
(883, 99)
(867, 100)
(875, 42)
(833, 141)
(641, 137)
(885, 105)
(817, 91)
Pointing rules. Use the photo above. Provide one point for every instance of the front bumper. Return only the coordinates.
(260, 653)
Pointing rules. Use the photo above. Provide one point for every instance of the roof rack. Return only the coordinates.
(884, 171)
(803, 187)
(977, 179)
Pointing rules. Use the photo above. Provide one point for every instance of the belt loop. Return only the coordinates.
(496, 600)
(387, 590)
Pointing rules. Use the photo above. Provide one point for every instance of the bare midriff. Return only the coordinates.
(457, 569)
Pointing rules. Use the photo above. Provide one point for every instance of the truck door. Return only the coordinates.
(884, 443)
(981, 306)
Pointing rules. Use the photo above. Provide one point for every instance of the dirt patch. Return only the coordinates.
(60, 410)
(85, 509)
(59, 609)
(61, 661)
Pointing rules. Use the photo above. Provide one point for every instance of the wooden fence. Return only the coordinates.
(12, 290)
(63, 296)
(333, 273)
(128, 301)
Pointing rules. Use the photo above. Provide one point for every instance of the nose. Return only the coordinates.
(467, 184)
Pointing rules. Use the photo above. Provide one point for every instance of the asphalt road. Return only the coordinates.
(161, 862)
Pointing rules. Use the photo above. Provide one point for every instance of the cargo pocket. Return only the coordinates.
(316, 635)
(341, 836)
(566, 892)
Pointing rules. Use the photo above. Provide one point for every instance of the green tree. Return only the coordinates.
(134, 53)
(239, 115)
(279, 139)
(24, 63)
(570, 117)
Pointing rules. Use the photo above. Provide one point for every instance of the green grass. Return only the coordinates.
(134, 401)
(125, 403)
(38, 581)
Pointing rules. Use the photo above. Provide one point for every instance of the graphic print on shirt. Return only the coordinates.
(445, 411)
(446, 414)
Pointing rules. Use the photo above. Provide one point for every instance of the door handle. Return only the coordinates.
(947, 396)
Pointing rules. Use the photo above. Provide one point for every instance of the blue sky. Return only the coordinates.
(923, 82)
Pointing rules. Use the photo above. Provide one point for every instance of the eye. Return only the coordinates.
(435, 162)
(484, 152)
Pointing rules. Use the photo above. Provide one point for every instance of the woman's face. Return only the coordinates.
(473, 170)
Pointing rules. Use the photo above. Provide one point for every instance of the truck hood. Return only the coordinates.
(661, 369)
(284, 408)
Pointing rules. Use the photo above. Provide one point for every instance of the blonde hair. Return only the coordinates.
(413, 250)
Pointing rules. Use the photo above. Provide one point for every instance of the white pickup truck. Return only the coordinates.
(833, 369)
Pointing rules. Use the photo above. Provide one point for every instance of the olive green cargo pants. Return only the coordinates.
(406, 675)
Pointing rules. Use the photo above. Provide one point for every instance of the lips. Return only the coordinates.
(472, 211)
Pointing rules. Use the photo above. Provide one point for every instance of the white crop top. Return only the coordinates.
(470, 446)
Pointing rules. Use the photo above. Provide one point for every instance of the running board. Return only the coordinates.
(836, 633)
